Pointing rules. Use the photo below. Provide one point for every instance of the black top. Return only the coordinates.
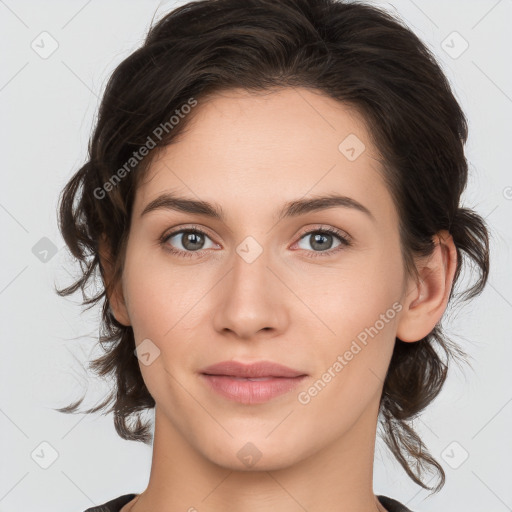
(116, 504)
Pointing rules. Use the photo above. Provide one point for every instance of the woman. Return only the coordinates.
(272, 198)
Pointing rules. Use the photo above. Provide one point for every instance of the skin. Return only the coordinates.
(251, 153)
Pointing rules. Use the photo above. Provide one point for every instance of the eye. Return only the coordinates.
(190, 242)
(322, 239)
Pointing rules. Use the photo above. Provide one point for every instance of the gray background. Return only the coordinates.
(47, 110)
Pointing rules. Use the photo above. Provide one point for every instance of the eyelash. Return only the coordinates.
(345, 242)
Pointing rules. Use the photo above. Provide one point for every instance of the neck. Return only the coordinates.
(336, 478)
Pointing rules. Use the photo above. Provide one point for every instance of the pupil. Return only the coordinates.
(317, 238)
(192, 241)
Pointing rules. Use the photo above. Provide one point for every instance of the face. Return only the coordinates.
(250, 285)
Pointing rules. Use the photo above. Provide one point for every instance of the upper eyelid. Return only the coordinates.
(176, 231)
(326, 227)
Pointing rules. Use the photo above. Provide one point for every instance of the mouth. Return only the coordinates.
(252, 379)
(251, 384)
(257, 370)
(248, 390)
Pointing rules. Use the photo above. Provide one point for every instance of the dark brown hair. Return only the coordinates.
(352, 52)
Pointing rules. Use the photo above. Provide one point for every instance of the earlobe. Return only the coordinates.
(115, 295)
(426, 300)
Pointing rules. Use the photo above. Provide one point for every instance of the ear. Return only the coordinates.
(426, 300)
(114, 295)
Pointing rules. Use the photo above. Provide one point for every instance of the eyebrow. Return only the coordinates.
(170, 201)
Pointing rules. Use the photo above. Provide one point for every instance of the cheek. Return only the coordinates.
(352, 371)
(160, 306)
(160, 298)
(361, 309)
(359, 296)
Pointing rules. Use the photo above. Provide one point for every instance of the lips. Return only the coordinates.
(251, 384)
(260, 370)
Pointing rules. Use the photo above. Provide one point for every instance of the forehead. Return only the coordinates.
(249, 149)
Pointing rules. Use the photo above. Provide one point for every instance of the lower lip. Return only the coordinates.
(250, 391)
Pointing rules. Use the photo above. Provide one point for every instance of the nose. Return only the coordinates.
(252, 301)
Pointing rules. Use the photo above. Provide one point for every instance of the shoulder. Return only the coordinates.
(114, 505)
(392, 505)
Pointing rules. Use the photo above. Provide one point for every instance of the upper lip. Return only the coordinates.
(253, 370)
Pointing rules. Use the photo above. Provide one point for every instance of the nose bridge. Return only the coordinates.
(250, 266)
(250, 277)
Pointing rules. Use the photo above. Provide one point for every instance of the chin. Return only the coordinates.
(254, 454)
